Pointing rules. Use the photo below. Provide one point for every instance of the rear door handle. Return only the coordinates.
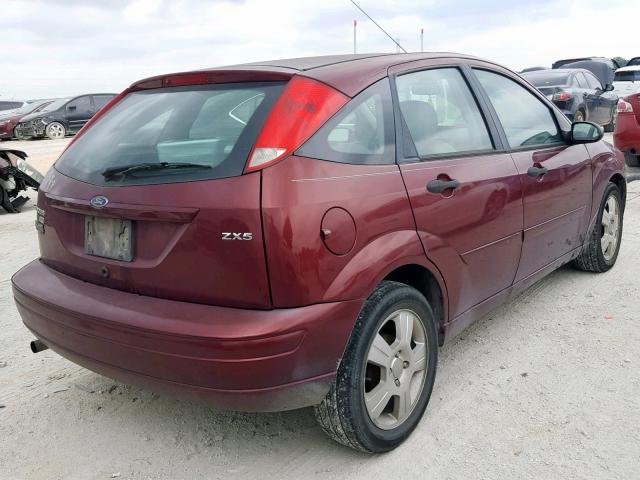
(439, 186)
(536, 171)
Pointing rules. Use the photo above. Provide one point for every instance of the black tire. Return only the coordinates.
(343, 414)
(611, 126)
(579, 116)
(631, 160)
(592, 258)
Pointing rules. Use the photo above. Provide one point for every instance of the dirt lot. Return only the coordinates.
(546, 387)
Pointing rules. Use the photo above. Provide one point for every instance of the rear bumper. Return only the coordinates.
(626, 136)
(256, 360)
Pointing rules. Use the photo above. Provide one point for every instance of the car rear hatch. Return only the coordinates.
(153, 197)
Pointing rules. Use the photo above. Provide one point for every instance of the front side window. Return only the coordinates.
(525, 119)
(441, 114)
(210, 127)
(361, 133)
(593, 82)
(582, 81)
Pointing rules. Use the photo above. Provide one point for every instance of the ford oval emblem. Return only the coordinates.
(99, 201)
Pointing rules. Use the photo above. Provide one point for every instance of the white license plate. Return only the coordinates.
(108, 237)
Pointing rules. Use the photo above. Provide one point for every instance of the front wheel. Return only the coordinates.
(601, 251)
(611, 126)
(579, 116)
(55, 130)
(385, 378)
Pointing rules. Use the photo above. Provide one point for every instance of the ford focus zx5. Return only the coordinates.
(307, 232)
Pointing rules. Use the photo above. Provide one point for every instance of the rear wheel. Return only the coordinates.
(600, 254)
(631, 159)
(55, 130)
(579, 116)
(385, 378)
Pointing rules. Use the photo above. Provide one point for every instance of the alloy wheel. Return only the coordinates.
(55, 130)
(610, 230)
(395, 370)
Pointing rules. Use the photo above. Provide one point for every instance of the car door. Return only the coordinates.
(602, 104)
(587, 97)
(78, 112)
(556, 176)
(465, 193)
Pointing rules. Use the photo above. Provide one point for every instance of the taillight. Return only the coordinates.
(303, 107)
(561, 96)
(624, 107)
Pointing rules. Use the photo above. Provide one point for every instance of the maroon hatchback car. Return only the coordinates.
(307, 232)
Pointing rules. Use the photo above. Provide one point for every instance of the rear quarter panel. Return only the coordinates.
(607, 161)
(296, 194)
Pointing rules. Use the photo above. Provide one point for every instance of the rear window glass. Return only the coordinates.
(549, 79)
(628, 76)
(361, 133)
(201, 132)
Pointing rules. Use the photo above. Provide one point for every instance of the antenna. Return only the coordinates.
(376, 24)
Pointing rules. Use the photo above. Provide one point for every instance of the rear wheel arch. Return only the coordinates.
(429, 285)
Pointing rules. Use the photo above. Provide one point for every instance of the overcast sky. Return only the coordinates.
(64, 47)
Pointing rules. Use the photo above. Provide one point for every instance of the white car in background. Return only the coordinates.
(627, 81)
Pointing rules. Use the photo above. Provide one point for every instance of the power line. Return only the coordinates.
(376, 24)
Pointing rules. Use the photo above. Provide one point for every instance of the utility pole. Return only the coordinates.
(355, 26)
(422, 39)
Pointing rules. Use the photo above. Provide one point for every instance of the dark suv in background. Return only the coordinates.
(62, 117)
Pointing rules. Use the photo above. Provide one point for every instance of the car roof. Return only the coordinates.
(348, 73)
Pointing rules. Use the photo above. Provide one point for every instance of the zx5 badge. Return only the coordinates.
(237, 236)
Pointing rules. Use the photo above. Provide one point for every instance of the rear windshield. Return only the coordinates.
(628, 76)
(201, 132)
(548, 79)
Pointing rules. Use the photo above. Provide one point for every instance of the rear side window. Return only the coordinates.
(525, 119)
(10, 105)
(100, 101)
(362, 132)
(211, 127)
(82, 104)
(627, 76)
(441, 114)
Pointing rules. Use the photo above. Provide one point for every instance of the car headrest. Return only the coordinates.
(420, 117)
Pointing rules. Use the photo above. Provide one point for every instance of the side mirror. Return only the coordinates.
(71, 108)
(609, 88)
(586, 132)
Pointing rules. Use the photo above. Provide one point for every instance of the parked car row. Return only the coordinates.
(582, 88)
(54, 118)
(578, 93)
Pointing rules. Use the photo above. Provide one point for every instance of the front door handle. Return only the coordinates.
(536, 171)
(439, 186)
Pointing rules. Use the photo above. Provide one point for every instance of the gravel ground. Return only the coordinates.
(548, 386)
